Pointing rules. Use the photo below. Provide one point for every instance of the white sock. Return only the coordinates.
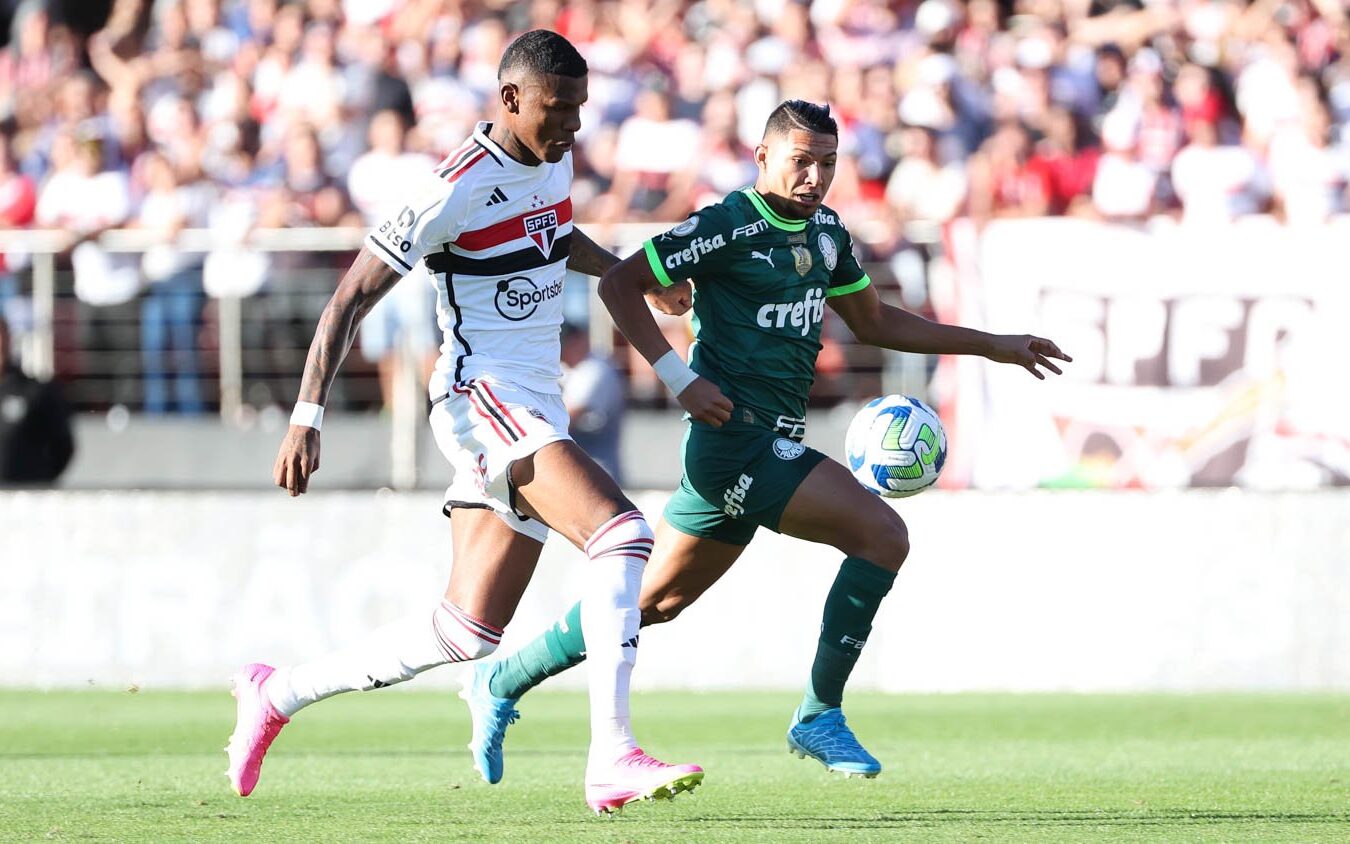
(393, 653)
(618, 552)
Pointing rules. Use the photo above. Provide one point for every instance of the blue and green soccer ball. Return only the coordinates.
(896, 446)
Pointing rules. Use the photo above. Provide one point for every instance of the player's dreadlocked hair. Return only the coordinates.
(540, 51)
(800, 114)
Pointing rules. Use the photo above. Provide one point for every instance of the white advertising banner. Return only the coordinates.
(1202, 356)
(1029, 591)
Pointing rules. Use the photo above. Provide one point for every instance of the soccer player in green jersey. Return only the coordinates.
(765, 262)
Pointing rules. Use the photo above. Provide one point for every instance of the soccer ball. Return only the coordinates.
(896, 446)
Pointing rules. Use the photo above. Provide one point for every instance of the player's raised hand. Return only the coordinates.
(705, 402)
(674, 300)
(1026, 351)
(297, 459)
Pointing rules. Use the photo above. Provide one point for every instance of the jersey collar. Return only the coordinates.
(506, 162)
(772, 217)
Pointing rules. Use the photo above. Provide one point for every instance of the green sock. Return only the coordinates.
(558, 649)
(849, 610)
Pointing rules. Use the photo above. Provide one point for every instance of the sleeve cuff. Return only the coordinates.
(384, 253)
(849, 288)
(658, 269)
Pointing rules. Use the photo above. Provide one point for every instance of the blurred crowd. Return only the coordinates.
(239, 113)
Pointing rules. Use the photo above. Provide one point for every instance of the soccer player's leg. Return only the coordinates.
(490, 593)
(830, 507)
(684, 565)
(493, 565)
(495, 553)
(562, 487)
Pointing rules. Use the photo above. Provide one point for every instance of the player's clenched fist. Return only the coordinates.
(297, 459)
(705, 402)
(675, 300)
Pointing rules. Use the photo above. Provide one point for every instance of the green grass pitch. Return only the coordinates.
(91, 766)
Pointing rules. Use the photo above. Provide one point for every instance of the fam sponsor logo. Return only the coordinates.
(785, 449)
(790, 426)
(801, 316)
(760, 225)
(734, 498)
(519, 297)
(698, 247)
(543, 230)
(820, 218)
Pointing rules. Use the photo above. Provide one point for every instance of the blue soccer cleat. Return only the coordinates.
(491, 716)
(828, 740)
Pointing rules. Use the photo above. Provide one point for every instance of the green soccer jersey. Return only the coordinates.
(761, 282)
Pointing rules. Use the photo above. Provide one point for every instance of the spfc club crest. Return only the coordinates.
(542, 228)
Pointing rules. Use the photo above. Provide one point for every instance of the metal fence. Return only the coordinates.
(246, 353)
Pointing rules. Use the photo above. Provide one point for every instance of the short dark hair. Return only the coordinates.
(800, 114)
(541, 51)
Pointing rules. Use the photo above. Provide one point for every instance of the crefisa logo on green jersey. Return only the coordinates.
(800, 316)
(698, 247)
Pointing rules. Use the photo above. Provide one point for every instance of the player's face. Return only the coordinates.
(549, 114)
(798, 168)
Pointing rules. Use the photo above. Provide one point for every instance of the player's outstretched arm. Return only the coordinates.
(364, 284)
(622, 289)
(590, 258)
(877, 324)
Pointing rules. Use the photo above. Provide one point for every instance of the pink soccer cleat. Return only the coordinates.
(637, 776)
(257, 722)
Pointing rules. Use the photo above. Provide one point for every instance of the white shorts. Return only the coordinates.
(483, 427)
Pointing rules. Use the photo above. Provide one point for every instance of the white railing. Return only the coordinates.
(44, 246)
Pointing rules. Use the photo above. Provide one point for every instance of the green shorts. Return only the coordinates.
(737, 478)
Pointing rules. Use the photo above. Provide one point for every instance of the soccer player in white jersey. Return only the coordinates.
(493, 225)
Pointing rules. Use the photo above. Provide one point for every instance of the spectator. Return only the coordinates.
(1066, 162)
(1214, 183)
(1001, 183)
(405, 319)
(593, 393)
(922, 189)
(1124, 188)
(171, 309)
(18, 201)
(35, 437)
(84, 200)
(651, 149)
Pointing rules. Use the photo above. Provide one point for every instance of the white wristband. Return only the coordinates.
(308, 414)
(674, 373)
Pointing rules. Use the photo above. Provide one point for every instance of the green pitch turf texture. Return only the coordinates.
(148, 766)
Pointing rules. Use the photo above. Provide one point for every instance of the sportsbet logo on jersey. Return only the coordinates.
(518, 298)
(799, 315)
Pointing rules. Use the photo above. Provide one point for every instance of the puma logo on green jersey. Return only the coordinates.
(810, 311)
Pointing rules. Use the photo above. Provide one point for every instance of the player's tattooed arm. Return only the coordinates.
(364, 284)
(875, 323)
(368, 279)
(589, 257)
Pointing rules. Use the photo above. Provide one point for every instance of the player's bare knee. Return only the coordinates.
(664, 608)
(886, 544)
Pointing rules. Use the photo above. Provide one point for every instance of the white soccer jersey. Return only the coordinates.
(495, 236)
